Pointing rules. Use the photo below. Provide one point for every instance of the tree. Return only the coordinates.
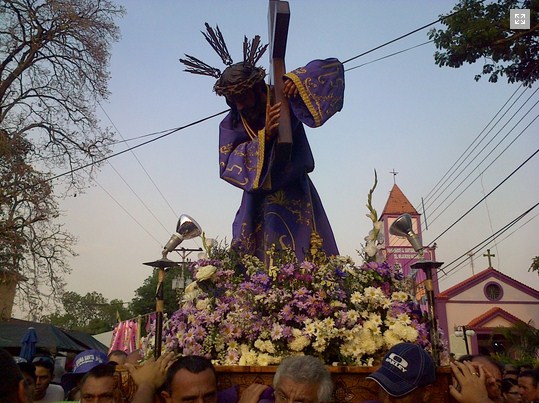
(91, 313)
(535, 265)
(53, 71)
(479, 30)
(144, 300)
(31, 242)
(523, 341)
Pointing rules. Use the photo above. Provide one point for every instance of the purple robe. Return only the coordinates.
(280, 205)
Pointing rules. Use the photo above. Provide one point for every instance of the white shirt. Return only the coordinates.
(54, 393)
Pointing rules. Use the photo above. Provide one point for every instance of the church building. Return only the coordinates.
(468, 312)
(481, 303)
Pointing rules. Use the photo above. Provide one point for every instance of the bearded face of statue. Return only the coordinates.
(251, 105)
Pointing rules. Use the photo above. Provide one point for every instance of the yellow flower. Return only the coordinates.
(202, 304)
(263, 360)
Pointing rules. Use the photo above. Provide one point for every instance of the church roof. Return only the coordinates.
(481, 276)
(492, 313)
(398, 204)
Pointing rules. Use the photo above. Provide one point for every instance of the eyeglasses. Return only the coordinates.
(513, 393)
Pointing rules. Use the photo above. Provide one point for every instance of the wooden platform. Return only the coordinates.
(350, 383)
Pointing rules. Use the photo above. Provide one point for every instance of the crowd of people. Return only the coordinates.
(406, 374)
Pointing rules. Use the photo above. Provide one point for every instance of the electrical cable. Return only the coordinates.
(483, 198)
(469, 150)
(490, 152)
(128, 213)
(484, 170)
(388, 56)
(169, 132)
(483, 243)
(409, 33)
(147, 174)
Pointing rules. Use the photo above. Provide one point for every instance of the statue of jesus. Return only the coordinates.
(280, 207)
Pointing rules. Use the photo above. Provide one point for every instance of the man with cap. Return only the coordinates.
(405, 371)
(280, 207)
(82, 364)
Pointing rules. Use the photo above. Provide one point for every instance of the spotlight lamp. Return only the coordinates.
(402, 227)
(187, 228)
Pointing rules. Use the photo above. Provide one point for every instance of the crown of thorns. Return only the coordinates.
(252, 52)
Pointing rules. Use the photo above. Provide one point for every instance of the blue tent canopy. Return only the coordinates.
(49, 337)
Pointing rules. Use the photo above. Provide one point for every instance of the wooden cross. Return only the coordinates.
(489, 255)
(278, 20)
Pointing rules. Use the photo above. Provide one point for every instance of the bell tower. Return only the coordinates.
(398, 250)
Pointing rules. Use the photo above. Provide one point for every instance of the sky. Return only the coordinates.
(402, 113)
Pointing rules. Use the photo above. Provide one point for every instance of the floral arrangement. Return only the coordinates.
(242, 312)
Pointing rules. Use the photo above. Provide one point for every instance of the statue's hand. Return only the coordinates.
(273, 112)
(289, 89)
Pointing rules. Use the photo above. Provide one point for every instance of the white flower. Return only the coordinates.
(370, 248)
(247, 357)
(270, 348)
(205, 272)
(378, 225)
(191, 292)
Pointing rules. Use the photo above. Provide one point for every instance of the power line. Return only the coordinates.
(488, 166)
(463, 155)
(147, 174)
(169, 132)
(441, 191)
(128, 213)
(483, 198)
(388, 56)
(410, 33)
(483, 243)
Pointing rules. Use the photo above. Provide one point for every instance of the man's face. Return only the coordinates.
(494, 377)
(288, 391)
(192, 388)
(527, 389)
(99, 390)
(43, 378)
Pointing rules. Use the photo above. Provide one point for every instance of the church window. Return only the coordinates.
(493, 291)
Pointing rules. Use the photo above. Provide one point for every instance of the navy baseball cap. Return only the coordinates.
(405, 367)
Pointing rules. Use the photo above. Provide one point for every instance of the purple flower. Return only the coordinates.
(244, 306)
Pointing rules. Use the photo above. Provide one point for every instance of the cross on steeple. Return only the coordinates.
(394, 176)
(489, 255)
